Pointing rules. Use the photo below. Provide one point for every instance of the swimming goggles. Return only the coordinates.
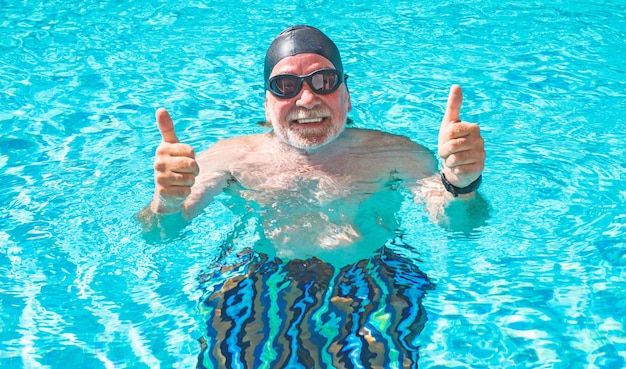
(323, 82)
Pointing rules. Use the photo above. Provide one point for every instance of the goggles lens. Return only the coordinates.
(323, 81)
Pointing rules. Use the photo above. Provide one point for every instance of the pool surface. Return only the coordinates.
(538, 282)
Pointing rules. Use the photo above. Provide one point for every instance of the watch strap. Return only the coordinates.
(456, 191)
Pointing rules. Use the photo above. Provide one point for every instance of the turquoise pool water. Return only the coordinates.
(540, 284)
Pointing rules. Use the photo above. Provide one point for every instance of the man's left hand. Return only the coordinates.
(461, 147)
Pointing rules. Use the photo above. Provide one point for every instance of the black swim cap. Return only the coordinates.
(300, 40)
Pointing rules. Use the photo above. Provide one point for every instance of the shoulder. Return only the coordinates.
(226, 152)
(381, 139)
(234, 145)
(405, 155)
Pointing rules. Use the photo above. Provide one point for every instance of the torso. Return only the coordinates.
(316, 198)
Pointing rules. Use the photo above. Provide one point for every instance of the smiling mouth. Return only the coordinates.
(309, 116)
(308, 120)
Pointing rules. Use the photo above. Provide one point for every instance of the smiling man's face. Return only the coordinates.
(308, 120)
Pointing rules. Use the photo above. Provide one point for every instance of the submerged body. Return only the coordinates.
(309, 199)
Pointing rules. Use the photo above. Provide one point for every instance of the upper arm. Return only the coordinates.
(214, 176)
(416, 162)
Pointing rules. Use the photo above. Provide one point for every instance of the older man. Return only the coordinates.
(323, 199)
(310, 163)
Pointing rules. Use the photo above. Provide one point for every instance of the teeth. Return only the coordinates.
(309, 120)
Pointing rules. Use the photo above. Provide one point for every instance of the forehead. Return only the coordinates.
(301, 64)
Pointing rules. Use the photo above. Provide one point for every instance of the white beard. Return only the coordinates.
(314, 139)
(302, 137)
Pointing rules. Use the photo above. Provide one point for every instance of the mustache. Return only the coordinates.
(301, 113)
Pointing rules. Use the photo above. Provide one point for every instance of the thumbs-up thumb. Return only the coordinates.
(166, 126)
(453, 107)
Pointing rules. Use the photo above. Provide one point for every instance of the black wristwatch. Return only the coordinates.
(456, 191)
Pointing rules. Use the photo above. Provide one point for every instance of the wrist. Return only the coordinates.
(456, 191)
(162, 205)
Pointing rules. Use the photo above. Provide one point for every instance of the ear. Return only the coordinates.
(267, 111)
(348, 102)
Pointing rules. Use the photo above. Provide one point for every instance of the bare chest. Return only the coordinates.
(336, 176)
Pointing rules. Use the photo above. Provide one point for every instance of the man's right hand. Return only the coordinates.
(175, 168)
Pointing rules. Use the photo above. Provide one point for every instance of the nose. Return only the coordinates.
(307, 98)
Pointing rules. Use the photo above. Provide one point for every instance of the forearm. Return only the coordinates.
(169, 216)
